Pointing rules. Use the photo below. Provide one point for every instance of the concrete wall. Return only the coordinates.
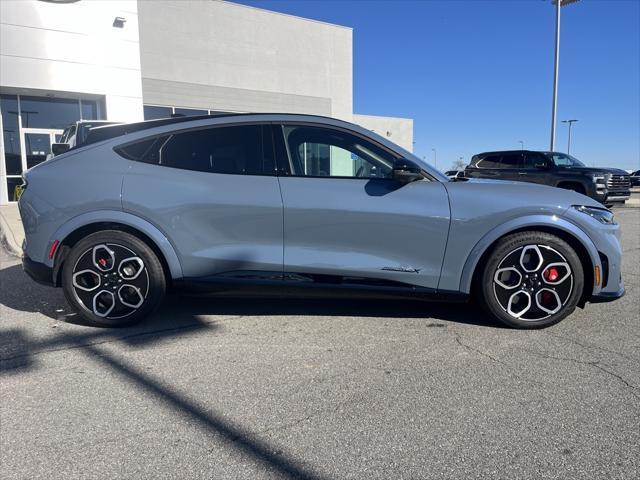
(397, 130)
(73, 47)
(224, 56)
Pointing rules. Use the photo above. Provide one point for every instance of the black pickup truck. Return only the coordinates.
(606, 185)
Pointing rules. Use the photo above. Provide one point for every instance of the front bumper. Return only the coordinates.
(39, 272)
(603, 297)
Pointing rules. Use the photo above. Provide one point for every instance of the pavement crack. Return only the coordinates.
(508, 367)
(470, 348)
(592, 347)
(594, 363)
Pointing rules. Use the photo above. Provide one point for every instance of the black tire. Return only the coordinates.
(110, 287)
(548, 303)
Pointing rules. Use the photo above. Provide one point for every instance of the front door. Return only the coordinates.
(36, 146)
(347, 221)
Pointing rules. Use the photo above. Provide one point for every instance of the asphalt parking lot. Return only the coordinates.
(318, 389)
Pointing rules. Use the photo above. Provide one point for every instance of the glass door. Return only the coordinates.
(36, 148)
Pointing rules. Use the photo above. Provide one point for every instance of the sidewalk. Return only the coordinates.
(11, 231)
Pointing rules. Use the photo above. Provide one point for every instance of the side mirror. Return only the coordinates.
(405, 171)
(59, 148)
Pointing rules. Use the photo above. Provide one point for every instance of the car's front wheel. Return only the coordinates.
(113, 278)
(531, 280)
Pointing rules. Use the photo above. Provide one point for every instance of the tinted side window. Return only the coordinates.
(532, 159)
(511, 160)
(147, 151)
(490, 161)
(231, 150)
(325, 152)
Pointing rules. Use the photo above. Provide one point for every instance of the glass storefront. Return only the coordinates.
(154, 112)
(30, 124)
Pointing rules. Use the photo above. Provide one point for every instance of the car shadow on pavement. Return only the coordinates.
(22, 348)
(21, 294)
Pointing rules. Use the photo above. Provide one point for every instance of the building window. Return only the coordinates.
(190, 112)
(30, 125)
(151, 112)
(156, 112)
(11, 134)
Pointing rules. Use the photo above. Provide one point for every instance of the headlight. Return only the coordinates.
(603, 215)
(599, 179)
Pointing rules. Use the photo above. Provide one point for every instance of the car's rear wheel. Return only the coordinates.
(532, 280)
(113, 278)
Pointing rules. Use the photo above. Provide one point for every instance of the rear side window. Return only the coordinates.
(238, 150)
(147, 151)
(511, 160)
(533, 159)
(505, 160)
(490, 161)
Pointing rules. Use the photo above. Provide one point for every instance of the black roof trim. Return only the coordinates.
(507, 151)
(106, 132)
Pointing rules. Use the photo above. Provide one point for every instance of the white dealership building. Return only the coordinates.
(128, 60)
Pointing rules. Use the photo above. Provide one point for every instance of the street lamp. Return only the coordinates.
(558, 4)
(570, 122)
(521, 144)
(435, 157)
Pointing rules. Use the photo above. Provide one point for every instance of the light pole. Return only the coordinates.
(554, 107)
(435, 157)
(570, 122)
(521, 144)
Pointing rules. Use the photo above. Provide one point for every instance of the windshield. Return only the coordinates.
(564, 160)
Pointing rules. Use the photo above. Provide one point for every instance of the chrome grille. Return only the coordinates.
(618, 182)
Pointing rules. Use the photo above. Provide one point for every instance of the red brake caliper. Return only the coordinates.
(102, 262)
(551, 274)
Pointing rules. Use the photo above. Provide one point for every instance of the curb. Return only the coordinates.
(7, 239)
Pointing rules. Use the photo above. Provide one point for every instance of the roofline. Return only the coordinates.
(509, 151)
(106, 132)
(289, 15)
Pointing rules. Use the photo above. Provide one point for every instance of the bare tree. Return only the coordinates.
(458, 165)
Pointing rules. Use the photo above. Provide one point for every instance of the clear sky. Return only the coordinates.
(477, 75)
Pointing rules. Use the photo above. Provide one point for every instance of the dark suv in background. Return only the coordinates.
(606, 185)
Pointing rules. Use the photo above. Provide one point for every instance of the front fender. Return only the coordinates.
(531, 221)
(124, 218)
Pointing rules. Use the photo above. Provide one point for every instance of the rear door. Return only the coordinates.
(535, 168)
(511, 164)
(347, 222)
(214, 193)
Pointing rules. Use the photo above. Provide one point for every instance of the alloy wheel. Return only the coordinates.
(533, 282)
(110, 280)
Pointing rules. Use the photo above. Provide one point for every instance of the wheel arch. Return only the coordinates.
(570, 233)
(79, 227)
(567, 184)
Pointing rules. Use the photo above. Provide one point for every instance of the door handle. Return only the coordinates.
(522, 173)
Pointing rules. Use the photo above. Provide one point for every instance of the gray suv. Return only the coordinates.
(302, 205)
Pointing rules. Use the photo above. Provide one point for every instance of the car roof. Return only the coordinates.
(110, 131)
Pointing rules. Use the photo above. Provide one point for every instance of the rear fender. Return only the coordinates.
(135, 222)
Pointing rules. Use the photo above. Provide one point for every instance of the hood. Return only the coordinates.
(613, 171)
(521, 194)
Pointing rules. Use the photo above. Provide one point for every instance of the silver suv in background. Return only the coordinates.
(302, 205)
(76, 134)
